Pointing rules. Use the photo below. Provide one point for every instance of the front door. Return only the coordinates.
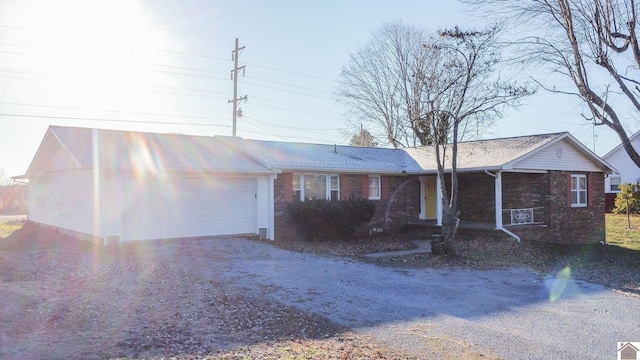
(428, 198)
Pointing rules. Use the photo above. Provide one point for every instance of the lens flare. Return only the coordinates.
(559, 284)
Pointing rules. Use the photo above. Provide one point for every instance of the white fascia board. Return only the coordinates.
(619, 146)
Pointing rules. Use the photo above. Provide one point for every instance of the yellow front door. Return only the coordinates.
(430, 197)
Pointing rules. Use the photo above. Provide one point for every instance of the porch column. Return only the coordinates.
(498, 195)
(438, 201)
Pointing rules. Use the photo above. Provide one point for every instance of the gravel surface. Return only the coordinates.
(514, 313)
(235, 299)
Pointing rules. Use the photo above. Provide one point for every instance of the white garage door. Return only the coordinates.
(188, 207)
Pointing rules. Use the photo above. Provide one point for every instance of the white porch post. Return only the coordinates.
(498, 195)
(438, 202)
(271, 231)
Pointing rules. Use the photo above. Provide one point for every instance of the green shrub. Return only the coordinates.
(322, 219)
(630, 192)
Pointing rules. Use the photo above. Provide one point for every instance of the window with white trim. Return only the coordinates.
(614, 182)
(316, 186)
(578, 190)
(374, 187)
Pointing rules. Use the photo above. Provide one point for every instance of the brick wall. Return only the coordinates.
(476, 199)
(400, 201)
(547, 193)
(577, 225)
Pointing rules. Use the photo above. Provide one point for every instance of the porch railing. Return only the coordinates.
(524, 216)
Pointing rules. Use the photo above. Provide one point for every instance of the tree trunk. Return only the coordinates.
(450, 223)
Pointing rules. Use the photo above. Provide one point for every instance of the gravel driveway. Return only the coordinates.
(509, 312)
(65, 299)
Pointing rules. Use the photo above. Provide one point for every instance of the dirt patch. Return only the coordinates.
(66, 298)
(380, 242)
(608, 265)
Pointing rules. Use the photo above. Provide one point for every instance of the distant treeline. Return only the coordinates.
(13, 200)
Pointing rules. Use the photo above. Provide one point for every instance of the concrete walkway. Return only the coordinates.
(423, 246)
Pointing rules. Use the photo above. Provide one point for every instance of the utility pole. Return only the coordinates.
(235, 54)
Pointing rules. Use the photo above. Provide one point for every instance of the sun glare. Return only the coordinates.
(93, 52)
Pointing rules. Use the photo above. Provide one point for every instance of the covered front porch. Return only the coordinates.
(481, 205)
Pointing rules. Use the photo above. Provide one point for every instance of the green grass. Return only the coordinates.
(8, 227)
(619, 234)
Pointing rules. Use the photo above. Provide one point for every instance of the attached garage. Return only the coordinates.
(116, 186)
(190, 207)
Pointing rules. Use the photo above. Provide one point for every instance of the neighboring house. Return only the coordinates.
(626, 171)
(122, 186)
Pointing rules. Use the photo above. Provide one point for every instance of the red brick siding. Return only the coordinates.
(476, 199)
(400, 204)
(580, 224)
(548, 191)
(283, 195)
(352, 186)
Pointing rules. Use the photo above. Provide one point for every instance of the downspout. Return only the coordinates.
(498, 196)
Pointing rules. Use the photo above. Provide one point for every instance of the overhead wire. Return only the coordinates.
(109, 120)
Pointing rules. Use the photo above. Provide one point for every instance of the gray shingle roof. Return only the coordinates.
(485, 154)
(318, 157)
(127, 150)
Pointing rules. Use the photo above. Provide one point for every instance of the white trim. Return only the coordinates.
(327, 184)
(271, 235)
(379, 187)
(579, 204)
(438, 201)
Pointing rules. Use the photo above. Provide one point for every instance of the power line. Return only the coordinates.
(109, 120)
(112, 111)
(290, 127)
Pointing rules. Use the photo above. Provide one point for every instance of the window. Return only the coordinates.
(374, 187)
(614, 183)
(334, 187)
(578, 190)
(297, 190)
(316, 186)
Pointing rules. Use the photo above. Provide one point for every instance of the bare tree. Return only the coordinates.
(382, 83)
(593, 43)
(465, 92)
(363, 138)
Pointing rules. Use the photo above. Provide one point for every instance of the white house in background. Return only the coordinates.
(627, 171)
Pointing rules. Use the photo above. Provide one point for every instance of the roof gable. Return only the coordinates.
(633, 138)
(52, 155)
(520, 153)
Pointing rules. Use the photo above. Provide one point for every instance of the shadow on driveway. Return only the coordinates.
(555, 316)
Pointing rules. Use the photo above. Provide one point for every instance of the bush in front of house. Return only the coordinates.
(629, 193)
(326, 219)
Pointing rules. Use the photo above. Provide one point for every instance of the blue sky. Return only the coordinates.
(100, 63)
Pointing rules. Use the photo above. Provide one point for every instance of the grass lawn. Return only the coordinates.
(9, 226)
(619, 233)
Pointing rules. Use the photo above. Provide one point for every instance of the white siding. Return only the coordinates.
(65, 200)
(620, 160)
(112, 193)
(560, 156)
